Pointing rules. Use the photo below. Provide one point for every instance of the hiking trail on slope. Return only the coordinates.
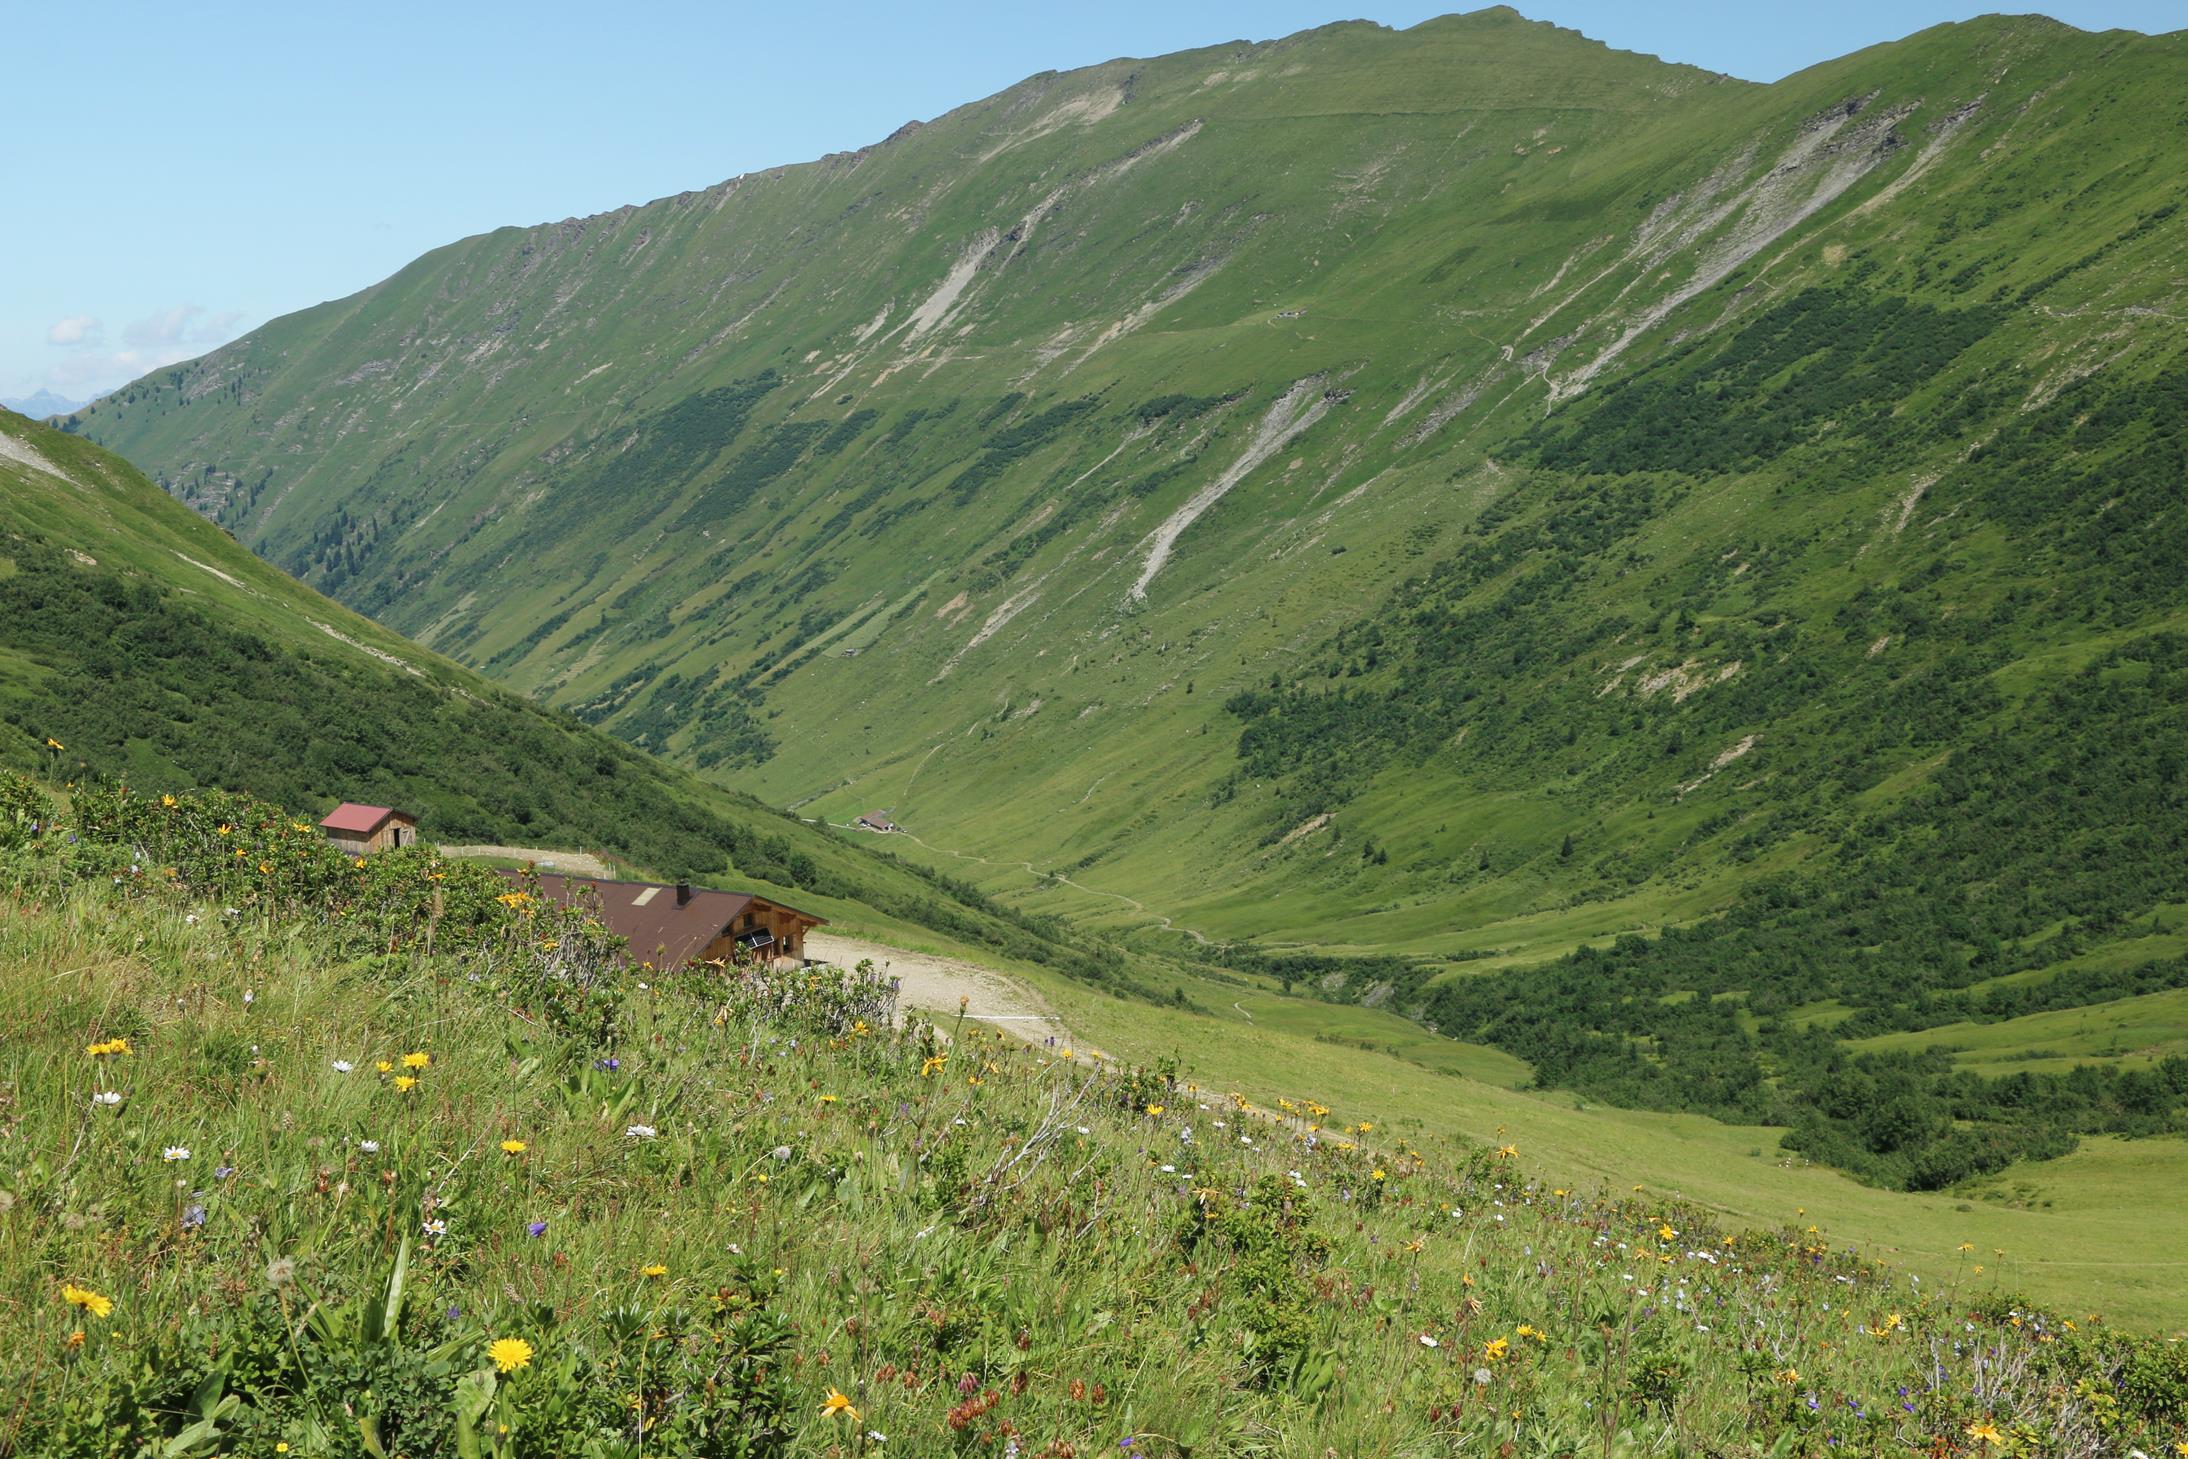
(933, 985)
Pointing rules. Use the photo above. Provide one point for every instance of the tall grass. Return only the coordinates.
(689, 1209)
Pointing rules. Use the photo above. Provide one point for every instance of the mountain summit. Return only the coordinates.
(42, 404)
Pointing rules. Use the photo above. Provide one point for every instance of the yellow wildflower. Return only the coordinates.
(404, 1084)
(934, 1064)
(1496, 1350)
(1508, 1152)
(1983, 1431)
(417, 1061)
(512, 1147)
(510, 1353)
(384, 1067)
(87, 1299)
(1154, 1109)
(655, 1270)
(1664, 1232)
(836, 1404)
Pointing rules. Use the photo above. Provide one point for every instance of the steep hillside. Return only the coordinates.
(292, 1184)
(1462, 495)
(140, 645)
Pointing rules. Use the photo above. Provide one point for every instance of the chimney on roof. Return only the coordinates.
(683, 893)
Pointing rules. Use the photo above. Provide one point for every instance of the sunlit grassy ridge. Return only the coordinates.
(269, 1187)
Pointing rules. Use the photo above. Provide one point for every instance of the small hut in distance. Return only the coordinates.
(877, 821)
(358, 829)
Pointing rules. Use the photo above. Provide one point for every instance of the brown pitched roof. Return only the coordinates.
(353, 819)
(648, 916)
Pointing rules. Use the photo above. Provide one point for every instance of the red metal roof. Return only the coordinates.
(647, 915)
(356, 820)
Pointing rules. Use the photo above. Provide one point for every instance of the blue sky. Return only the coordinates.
(180, 173)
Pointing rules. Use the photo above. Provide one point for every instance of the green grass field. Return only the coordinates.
(2132, 1032)
(277, 1192)
(2091, 1232)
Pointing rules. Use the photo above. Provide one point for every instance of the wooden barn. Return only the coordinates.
(878, 821)
(669, 926)
(358, 829)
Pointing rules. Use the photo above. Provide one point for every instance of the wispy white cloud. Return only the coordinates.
(185, 324)
(77, 329)
(166, 337)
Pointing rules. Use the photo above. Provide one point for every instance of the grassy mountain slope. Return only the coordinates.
(1462, 493)
(156, 652)
(281, 1190)
(693, 536)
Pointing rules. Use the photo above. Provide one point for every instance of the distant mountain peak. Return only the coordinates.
(41, 404)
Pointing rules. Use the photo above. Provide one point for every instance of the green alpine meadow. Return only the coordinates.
(1485, 741)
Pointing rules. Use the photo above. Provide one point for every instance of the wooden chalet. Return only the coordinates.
(877, 821)
(670, 926)
(358, 829)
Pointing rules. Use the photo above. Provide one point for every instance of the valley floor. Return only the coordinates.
(2096, 1231)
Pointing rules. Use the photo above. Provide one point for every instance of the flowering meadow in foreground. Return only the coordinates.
(282, 1172)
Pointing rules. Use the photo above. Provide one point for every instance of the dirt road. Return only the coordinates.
(573, 863)
(933, 985)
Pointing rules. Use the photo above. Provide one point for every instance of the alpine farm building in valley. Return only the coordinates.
(669, 926)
